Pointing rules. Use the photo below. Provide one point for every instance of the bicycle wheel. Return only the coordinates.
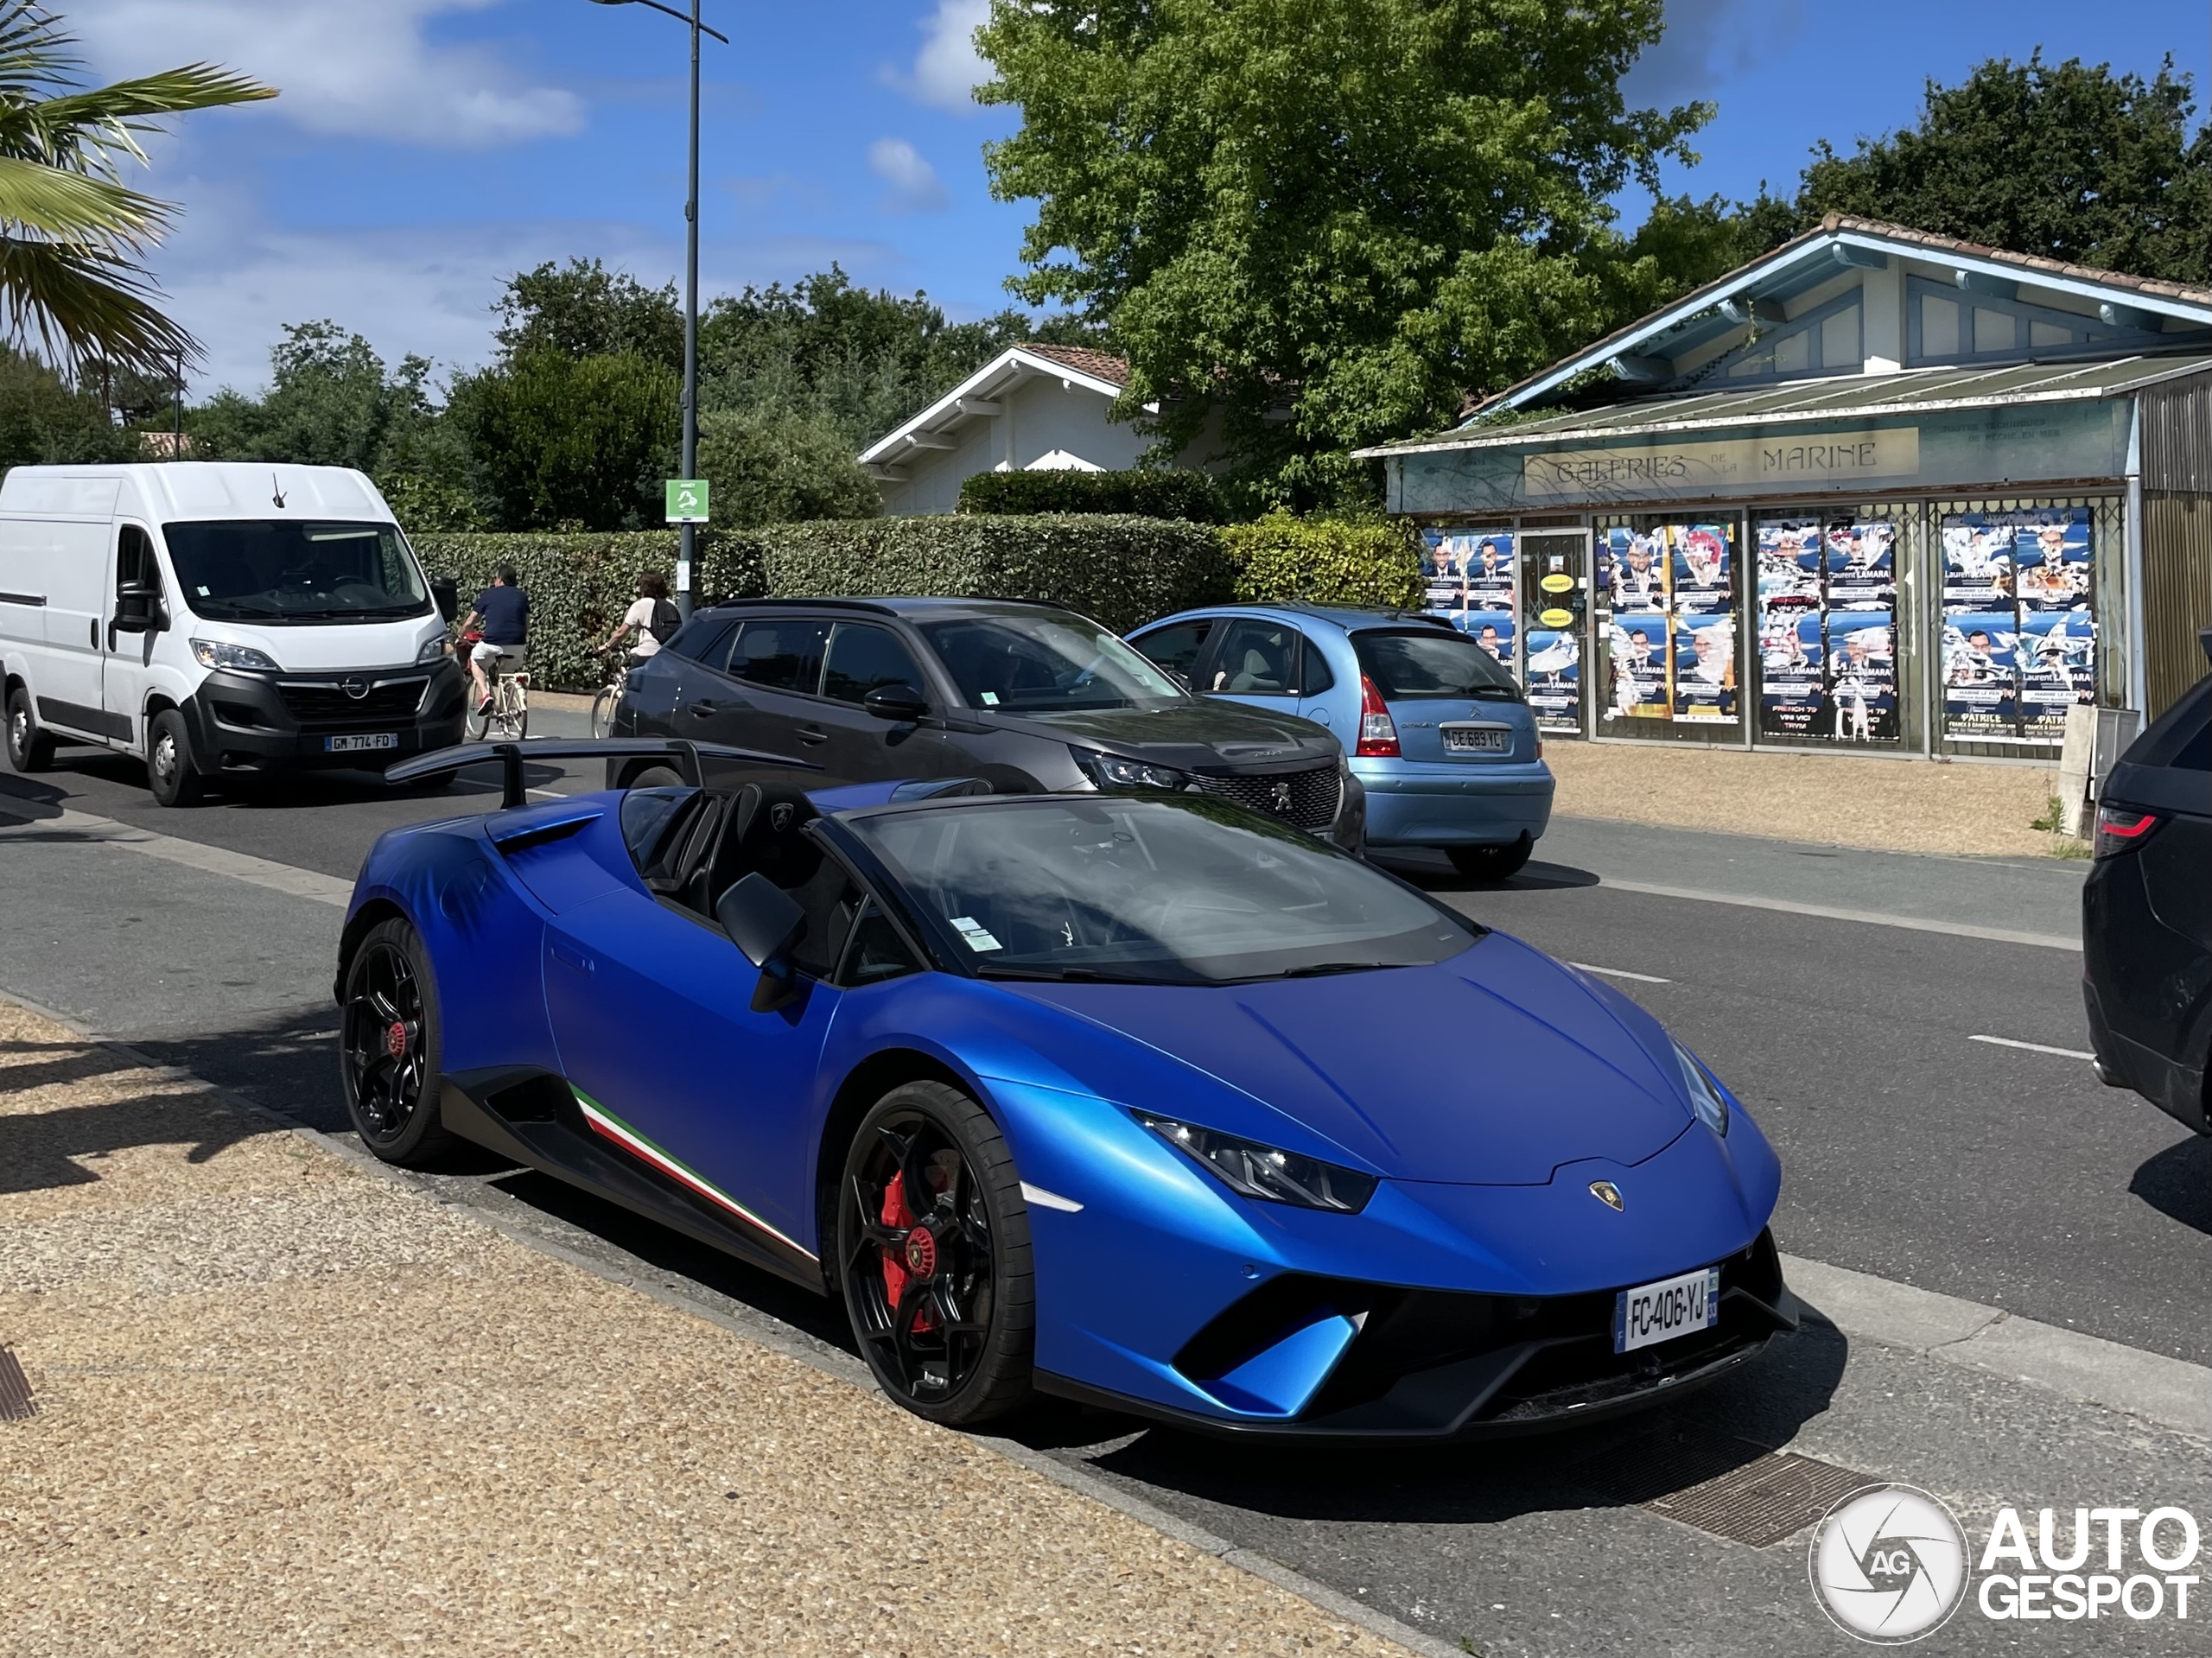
(603, 711)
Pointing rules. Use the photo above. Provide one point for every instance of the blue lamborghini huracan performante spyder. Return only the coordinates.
(1138, 1098)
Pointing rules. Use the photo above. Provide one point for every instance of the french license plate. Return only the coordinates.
(1476, 739)
(361, 744)
(1673, 1307)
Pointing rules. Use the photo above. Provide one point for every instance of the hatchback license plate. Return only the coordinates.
(1476, 739)
(1673, 1307)
(358, 745)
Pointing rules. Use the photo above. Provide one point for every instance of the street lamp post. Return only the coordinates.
(688, 531)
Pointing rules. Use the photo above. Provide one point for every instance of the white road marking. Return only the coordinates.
(1045, 1199)
(2033, 1047)
(1620, 972)
(192, 854)
(1871, 917)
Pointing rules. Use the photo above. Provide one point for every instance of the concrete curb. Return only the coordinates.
(2088, 1369)
(482, 1205)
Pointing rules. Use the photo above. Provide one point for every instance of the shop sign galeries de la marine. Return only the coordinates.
(1877, 489)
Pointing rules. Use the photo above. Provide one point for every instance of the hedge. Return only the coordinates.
(1150, 494)
(1371, 564)
(1122, 569)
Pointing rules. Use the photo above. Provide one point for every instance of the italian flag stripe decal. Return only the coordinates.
(606, 1124)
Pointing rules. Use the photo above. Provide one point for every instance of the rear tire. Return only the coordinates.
(1492, 863)
(170, 774)
(389, 1048)
(947, 1322)
(29, 749)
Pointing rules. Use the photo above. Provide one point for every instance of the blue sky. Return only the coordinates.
(425, 149)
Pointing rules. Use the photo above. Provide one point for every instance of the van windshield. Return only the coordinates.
(254, 570)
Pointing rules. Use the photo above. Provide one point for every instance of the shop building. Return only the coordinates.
(1876, 491)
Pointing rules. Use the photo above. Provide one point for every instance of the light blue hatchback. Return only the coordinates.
(1436, 727)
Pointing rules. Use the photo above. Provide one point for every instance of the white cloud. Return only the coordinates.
(948, 70)
(350, 68)
(915, 187)
(1708, 42)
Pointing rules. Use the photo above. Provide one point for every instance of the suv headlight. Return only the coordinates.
(222, 653)
(1252, 1170)
(1707, 1097)
(433, 649)
(1112, 771)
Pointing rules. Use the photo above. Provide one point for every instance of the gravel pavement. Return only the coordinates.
(288, 1407)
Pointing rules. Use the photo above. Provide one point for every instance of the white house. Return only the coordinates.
(1032, 408)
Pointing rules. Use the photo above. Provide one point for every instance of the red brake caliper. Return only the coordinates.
(916, 1258)
(394, 1039)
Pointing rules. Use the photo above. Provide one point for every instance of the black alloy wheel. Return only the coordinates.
(934, 1256)
(388, 1053)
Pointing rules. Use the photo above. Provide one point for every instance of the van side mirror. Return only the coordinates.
(764, 922)
(445, 592)
(138, 609)
(895, 702)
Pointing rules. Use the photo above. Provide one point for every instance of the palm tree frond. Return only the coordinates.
(80, 309)
(79, 208)
(195, 86)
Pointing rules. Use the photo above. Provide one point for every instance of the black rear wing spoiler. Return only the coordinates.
(513, 756)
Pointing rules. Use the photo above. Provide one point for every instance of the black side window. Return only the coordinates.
(1176, 647)
(2194, 754)
(863, 658)
(705, 638)
(1314, 675)
(135, 565)
(782, 655)
(1256, 659)
(654, 825)
(875, 951)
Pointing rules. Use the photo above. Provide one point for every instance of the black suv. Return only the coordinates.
(1029, 697)
(2147, 912)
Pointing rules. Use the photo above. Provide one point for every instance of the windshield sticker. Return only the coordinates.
(990, 699)
(978, 936)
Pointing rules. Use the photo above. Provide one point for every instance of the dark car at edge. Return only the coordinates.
(1030, 697)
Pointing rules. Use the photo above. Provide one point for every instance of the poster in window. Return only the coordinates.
(1639, 669)
(1637, 577)
(2018, 620)
(1556, 678)
(1862, 676)
(1702, 574)
(1791, 641)
(1980, 680)
(1467, 571)
(1493, 631)
(1554, 599)
(1443, 569)
(1862, 566)
(1704, 667)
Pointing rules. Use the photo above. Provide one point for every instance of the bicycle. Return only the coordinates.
(508, 718)
(609, 697)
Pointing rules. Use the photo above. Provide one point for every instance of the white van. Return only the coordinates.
(216, 619)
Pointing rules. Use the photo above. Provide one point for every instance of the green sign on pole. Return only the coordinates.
(687, 500)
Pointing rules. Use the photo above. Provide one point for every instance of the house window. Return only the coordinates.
(1939, 327)
(1822, 341)
(1993, 329)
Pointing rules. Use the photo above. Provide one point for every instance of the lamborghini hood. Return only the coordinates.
(1490, 1068)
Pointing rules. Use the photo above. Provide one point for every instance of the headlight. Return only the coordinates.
(220, 653)
(1112, 771)
(433, 649)
(1705, 1097)
(1252, 1170)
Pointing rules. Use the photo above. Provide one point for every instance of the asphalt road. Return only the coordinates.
(2002, 1174)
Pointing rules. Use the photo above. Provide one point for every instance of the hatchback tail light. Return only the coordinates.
(1378, 732)
(2122, 828)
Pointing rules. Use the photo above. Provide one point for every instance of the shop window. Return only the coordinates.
(2019, 624)
(1670, 635)
(1828, 637)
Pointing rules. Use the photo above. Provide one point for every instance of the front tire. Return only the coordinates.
(602, 712)
(29, 749)
(389, 1048)
(175, 780)
(941, 1292)
(1492, 863)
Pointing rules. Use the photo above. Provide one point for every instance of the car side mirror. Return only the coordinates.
(895, 702)
(764, 922)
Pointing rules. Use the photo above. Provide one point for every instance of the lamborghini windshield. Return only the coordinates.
(1169, 890)
(270, 570)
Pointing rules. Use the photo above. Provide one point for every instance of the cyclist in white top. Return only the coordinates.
(651, 617)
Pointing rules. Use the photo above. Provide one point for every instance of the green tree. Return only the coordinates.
(45, 421)
(1332, 218)
(585, 310)
(2072, 161)
(73, 236)
(329, 403)
(781, 469)
(561, 440)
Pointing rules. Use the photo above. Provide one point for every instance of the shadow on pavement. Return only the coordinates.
(2177, 1182)
(288, 1064)
(46, 1149)
(1432, 872)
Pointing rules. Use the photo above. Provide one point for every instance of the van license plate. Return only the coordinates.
(1659, 1312)
(1476, 739)
(360, 745)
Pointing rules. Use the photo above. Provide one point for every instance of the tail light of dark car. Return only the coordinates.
(2122, 828)
(1378, 732)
